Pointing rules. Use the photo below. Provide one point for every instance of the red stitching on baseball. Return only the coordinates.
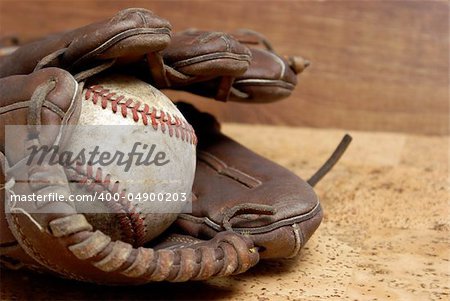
(142, 112)
(153, 117)
(93, 180)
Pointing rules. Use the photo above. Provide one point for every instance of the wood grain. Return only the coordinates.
(376, 65)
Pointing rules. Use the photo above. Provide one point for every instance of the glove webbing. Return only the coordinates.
(228, 254)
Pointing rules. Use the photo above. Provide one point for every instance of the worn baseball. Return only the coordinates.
(135, 152)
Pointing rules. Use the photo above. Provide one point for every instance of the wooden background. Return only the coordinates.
(376, 65)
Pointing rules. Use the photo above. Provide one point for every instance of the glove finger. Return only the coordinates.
(127, 36)
(46, 97)
(195, 56)
(235, 252)
(256, 40)
(270, 76)
(196, 62)
(204, 53)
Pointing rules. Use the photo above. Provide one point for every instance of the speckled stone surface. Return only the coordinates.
(385, 233)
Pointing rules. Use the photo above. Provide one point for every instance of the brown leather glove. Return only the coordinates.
(259, 199)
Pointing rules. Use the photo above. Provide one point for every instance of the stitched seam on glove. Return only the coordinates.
(255, 230)
(121, 36)
(223, 169)
(265, 82)
(210, 57)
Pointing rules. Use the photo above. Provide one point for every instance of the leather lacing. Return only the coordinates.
(245, 208)
(36, 103)
(81, 76)
(227, 253)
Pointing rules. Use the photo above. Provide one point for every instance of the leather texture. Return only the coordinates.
(234, 186)
(125, 37)
(60, 105)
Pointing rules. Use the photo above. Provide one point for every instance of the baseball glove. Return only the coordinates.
(263, 210)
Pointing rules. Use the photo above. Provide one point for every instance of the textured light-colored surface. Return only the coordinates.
(385, 234)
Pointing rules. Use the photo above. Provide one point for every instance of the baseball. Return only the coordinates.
(135, 154)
